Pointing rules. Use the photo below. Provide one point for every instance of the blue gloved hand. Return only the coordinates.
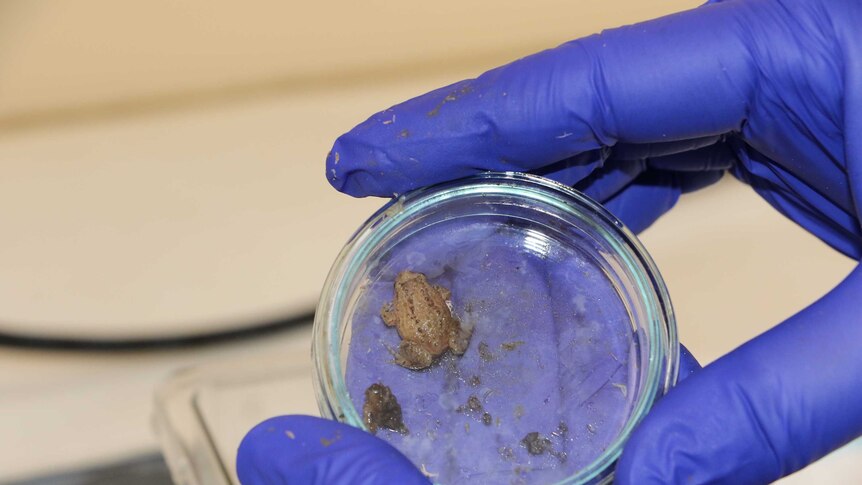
(635, 117)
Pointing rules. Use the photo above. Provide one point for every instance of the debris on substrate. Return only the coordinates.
(528, 442)
(536, 444)
(381, 410)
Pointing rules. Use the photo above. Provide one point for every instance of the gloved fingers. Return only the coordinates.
(767, 409)
(645, 200)
(574, 169)
(688, 365)
(615, 174)
(309, 450)
(638, 151)
(692, 181)
(653, 193)
(609, 180)
(718, 156)
(675, 78)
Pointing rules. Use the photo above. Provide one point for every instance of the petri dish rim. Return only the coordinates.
(663, 353)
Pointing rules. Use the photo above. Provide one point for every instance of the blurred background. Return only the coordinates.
(164, 207)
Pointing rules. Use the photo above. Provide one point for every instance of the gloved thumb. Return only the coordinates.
(308, 450)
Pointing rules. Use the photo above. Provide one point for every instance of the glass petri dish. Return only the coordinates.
(572, 336)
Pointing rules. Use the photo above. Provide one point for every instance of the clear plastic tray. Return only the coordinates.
(202, 414)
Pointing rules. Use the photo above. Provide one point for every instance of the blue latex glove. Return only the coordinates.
(635, 117)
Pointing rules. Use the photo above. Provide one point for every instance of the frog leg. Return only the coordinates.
(387, 313)
(413, 356)
(446, 293)
(459, 339)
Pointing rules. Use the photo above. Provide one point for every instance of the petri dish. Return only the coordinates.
(568, 334)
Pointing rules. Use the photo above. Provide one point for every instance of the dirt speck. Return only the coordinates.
(475, 381)
(328, 441)
(562, 430)
(473, 405)
(560, 455)
(403, 134)
(535, 443)
(381, 410)
(506, 453)
(453, 96)
(519, 411)
(486, 419)
(511, 345)
(485, 352)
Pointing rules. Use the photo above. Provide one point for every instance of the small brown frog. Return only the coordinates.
(421, 314)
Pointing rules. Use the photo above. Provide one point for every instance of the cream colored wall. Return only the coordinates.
(58, 58)
(122, 126)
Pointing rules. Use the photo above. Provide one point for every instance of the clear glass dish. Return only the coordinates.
(573, 335)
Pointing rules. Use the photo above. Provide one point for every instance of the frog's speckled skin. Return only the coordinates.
(421, 313)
